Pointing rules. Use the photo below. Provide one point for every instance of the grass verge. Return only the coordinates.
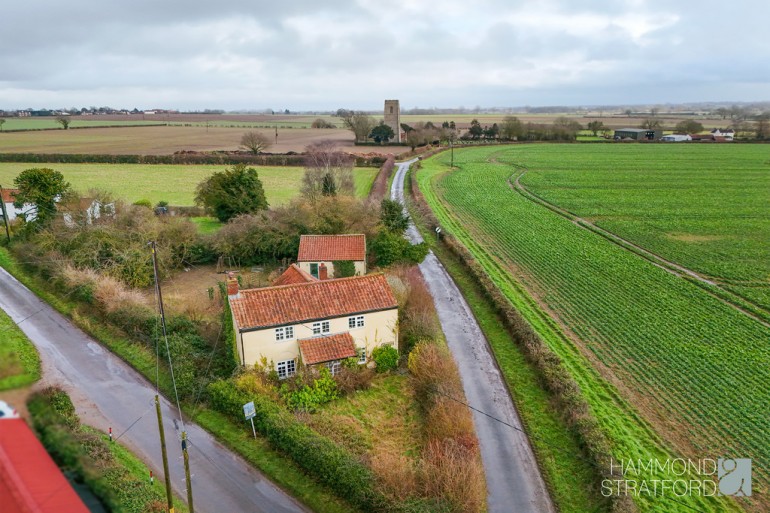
(19, 361)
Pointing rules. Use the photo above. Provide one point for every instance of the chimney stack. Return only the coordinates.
(232, 285)
(323, 273)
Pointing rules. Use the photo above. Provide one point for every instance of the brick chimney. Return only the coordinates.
(323, 273)
(232, 285)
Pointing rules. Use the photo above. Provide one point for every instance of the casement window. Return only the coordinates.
(334, 367)
(320, 328)
(285, 333)
(356, 322)
(361, 355)
(286, 368)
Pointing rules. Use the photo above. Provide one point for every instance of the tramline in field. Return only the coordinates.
(638, 338)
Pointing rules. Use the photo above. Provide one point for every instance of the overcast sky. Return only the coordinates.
(325, 54)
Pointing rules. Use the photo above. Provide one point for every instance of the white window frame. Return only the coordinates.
(334, 366)
(355, 322)
(284, 333)
(361, 355)
(321, 327)
(286, 368)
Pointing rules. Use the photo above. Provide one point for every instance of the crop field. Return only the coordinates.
(47, 123)
(668, 368)
(173, 183)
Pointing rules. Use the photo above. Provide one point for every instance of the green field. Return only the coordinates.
(173, 183)
(666, 367)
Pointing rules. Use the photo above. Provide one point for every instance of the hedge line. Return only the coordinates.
(379, 189)
(177, 158)
(323, 459)
(554, 375)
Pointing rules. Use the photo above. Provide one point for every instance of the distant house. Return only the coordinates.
(313, 322)
(728, 134)
(318, 250)
(85, 211)
(638, 134)
(676, 138)
(8, 197)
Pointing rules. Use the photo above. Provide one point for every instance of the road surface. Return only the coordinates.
(514, 482)
(109, 393)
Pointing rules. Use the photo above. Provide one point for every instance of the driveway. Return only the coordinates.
(514, 482)
(109, 393)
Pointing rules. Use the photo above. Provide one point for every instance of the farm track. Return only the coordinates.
(706, 283)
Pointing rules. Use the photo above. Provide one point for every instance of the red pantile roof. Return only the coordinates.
(325, 349)
(292, 275)
(328, 248)
(302, 302)
(8, 195)
(29, 479)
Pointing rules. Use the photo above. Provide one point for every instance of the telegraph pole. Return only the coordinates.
(169, 496)
(5, 215)
(185, 455)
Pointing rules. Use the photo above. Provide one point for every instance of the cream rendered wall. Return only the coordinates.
(379, 328)
(360, 267)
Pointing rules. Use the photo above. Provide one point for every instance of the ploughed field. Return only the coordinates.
(668, 366)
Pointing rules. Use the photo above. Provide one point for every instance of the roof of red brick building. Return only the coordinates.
(302, 302)
(326, 349)
(29, 479)
(328, 248)
(293, 275)
(8, 195)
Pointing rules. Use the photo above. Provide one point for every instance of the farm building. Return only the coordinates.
(313, 322)
(316, 251)
(676, 138)
(638, 134)
(728, 134)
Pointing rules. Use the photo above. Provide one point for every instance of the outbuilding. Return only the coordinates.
(639, 134)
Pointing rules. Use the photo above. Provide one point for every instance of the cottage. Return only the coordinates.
(728, 134)
(313, 322)
(8, 197)
(85, 211)
(318, 250)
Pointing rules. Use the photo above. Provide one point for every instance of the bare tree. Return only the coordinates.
(255, 142)
(360, 123)
(328, 171)
(64, 121)
(650, 124)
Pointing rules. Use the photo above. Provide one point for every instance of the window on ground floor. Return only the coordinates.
(334, 367)
(286, 368)
(361, 355)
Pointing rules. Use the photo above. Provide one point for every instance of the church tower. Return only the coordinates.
(393, 118)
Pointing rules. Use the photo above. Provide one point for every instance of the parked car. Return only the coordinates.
(6, 412)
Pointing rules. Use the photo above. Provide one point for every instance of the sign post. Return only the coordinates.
(438, 232)
(250, 412)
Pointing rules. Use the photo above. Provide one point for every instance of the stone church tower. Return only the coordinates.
(393, 118)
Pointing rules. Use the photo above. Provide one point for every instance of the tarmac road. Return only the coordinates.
(514, 482)
(109, 393)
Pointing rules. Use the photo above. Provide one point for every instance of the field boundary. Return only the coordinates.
(736, 301)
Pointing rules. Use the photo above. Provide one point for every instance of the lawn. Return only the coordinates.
(19, 362)
(666, 367)
(173, 183)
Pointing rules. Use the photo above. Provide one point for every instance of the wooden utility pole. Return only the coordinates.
(5, 215)
(169, 495)
(185, 455)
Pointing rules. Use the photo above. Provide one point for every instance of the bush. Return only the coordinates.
(352, 377)
(386, 358)
(390, 248)
(344, 268)
(309, 397)
(143, 203)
